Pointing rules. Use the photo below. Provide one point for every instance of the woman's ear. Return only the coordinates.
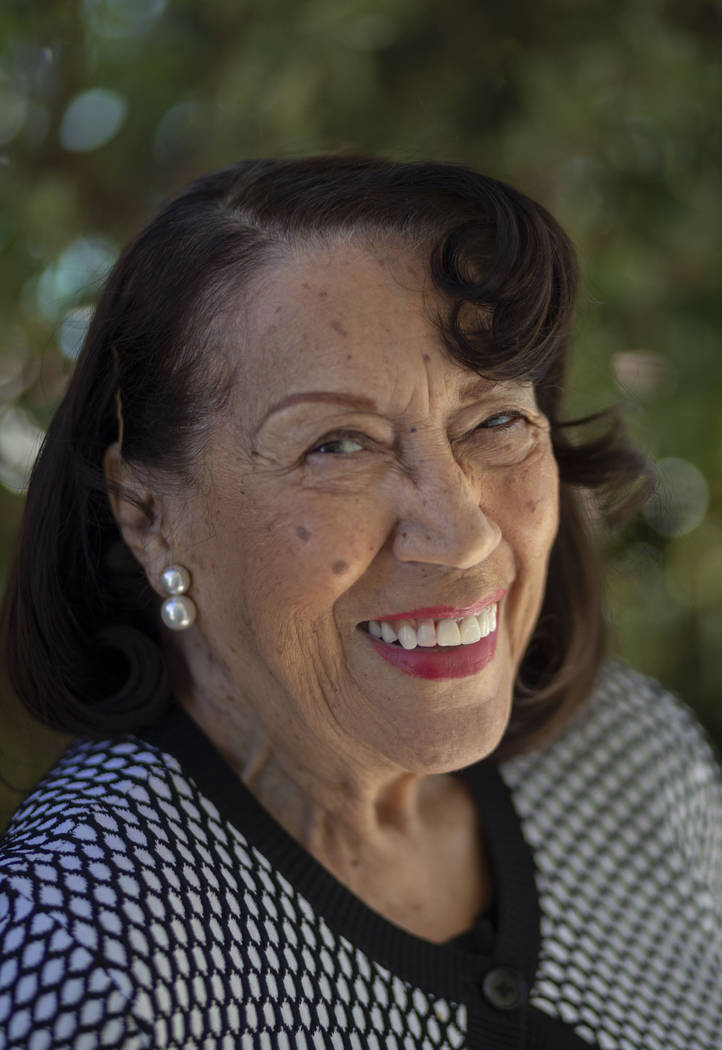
(137, 511)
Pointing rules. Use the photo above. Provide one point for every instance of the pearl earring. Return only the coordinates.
(178, 611)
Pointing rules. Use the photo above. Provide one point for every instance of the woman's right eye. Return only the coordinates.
(340, 445)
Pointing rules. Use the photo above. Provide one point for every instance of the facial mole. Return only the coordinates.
(302, 533)
(412, 430)
(338, 567)
(338, 327)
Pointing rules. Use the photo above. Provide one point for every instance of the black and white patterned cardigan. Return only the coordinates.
(148, 901)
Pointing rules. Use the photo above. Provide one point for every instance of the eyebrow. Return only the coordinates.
(358, 401)
(477, 388)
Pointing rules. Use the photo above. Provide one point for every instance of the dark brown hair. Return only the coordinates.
(80, 620)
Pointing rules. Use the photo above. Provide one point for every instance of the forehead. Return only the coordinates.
(345, 316)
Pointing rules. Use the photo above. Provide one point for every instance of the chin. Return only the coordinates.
(451, 742)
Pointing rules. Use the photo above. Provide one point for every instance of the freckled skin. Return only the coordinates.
(427, 511)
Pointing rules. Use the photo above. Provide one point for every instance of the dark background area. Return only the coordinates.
(606, 111)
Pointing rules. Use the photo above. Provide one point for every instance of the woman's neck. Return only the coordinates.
(408, 846)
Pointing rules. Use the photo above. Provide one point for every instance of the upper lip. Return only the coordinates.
(441, 612)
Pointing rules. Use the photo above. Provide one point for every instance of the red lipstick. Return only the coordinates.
(455, 661)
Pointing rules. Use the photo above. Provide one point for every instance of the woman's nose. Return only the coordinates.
(441, 519)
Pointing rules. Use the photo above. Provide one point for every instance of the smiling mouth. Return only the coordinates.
(435, 634)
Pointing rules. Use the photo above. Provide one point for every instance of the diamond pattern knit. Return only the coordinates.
(148, 901)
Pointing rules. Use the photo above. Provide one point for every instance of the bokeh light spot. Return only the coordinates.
(642, 372)
(72, 331)
(91, 119)
(180, 129)
(13, 113)
(18, 366)
(20, 439)
(681, 500)
(80, 268)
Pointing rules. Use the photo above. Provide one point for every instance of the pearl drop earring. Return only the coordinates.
(178, 611)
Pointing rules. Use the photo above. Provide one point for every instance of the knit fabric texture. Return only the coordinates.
(148, 901)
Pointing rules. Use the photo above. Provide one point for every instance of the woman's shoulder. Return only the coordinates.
(622, 691)
(635, 766)
(93, 778)
(68, 867)
(632, 717)
(104, 800)
(640, 714)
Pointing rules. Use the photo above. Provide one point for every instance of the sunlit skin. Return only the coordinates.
(357, 469)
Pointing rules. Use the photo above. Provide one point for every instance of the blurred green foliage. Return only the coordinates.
(608, 111)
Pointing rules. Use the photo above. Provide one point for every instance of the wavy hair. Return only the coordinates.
(80, 620)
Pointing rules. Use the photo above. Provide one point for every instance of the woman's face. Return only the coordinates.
(362, 483)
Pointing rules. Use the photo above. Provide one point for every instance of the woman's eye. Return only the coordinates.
(500, 420)
(338, 446)
(503, 439)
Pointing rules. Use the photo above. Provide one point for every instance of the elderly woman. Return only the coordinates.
(307, 568)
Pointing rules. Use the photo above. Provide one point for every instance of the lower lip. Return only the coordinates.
(458, 661)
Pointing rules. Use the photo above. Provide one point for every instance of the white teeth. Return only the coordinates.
(469, 630)
(387, 632)
(426, 633)
(431, 633)
(447, 633)
(407, 635)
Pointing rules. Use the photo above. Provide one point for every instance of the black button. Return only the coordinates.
(504, 988)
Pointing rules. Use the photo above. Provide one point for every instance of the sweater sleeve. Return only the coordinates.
(54, 993)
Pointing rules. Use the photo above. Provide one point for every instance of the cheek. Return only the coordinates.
(315, 551)
(531, 513)
(530, 525)
(326, 552)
